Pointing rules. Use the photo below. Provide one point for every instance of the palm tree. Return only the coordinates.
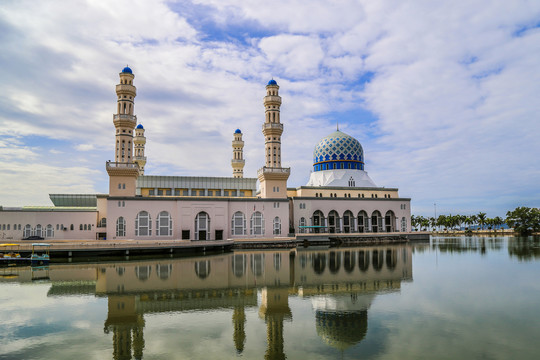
(482, 219)
(474, 219)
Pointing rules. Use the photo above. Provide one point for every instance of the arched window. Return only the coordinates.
(302, 223)
(239, 265)
(257, 224)
(202, 269)
(238, 224)
(103, 222)
(257, 264)
(143, 224)
(143, 272)
(277, 261)
(163, 271)
(39, 231)
(164, 224)
(351, 182)
(50, 231)
(27, 231)
(277, 226)
(120, 226)
(403, 224)
(202, 226)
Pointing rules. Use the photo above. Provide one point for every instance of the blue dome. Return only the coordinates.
(272, 82)
(127, 70)
(338, 151)
(140, 126)
(238, 131)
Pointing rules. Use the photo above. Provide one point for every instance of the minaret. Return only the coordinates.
(272, 177)
(123, 171)
(238, 161)
(138, 154)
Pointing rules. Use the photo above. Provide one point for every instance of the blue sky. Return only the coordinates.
(443, 96)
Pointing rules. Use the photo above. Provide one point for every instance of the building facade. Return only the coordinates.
(339, 197)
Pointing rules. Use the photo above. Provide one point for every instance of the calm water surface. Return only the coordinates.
(456, 298)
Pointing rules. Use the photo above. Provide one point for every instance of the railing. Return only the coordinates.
(265, 169)
(139, 158)
(238, 161)
(272, 126)
(120, 165)
(125, 117)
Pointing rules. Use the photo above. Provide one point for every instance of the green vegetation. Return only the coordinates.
(523, 220)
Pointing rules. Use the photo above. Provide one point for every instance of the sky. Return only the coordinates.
(444, 96)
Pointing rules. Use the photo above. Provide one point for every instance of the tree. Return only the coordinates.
(524, 220)
(481, 219)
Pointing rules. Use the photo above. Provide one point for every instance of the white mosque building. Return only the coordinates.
(339, 197)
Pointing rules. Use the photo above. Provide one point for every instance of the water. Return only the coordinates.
(456, 298)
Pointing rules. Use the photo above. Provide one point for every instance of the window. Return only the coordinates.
(119, 186)
(164, 224)
(238, 224)
(50, 231)
(72, 227)
(80, 226)
(277, 226)
(124, 185)
(120, 226)
(27, 231)
(85, 227)
(176, 192)
(151, 192)
(202, 226)
(160, 192)
(143, 224)
(257, 224)
(39, 231)
(301, 224)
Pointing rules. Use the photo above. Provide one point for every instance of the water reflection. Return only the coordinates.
(340, 284)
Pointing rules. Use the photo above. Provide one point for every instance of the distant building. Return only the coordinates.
(340, 197)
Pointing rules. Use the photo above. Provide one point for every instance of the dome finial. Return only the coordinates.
(337, 124)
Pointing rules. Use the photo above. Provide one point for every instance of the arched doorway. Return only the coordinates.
(362, 221)
(333, 222)
(348, 222)
(390, 221)
(318, 221)
(376, 221)
(202, 226)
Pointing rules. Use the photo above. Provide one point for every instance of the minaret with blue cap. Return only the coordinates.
(139, 141)
(238, 161)
(123, 171)
(273, 177)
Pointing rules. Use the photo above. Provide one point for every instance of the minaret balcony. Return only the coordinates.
(238, 143)
(272, 126)
(125, 117)
(122, 120)
(236, 161)
(139, 158)
(272, 100)
(277, 172)
(126, 88)
(122, 168)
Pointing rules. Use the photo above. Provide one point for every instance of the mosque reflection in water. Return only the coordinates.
(340, 283)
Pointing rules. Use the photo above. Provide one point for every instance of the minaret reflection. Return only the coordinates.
(274, 310)
(239, 323)
(127, 327)
(340, 283)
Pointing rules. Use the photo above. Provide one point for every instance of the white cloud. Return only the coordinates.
(452, 88)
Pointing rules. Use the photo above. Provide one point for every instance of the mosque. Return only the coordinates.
(339, 197)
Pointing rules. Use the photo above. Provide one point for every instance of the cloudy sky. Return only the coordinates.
(443, 95)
